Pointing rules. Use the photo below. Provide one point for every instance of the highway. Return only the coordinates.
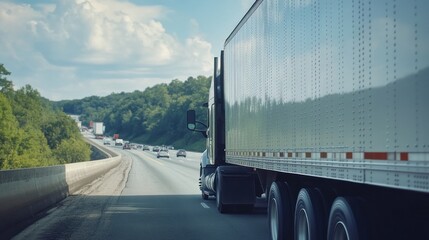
(146, 198)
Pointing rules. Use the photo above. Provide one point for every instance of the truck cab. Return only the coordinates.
(216, 177)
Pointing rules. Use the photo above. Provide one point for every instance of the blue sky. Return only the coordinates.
(70, 49)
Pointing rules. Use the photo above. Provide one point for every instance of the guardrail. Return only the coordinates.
(26, 192)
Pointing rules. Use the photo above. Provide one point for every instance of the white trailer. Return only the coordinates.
(98, 128)
(327, 103)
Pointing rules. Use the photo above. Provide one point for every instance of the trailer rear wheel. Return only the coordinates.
(342, 220)
(280, 209)
(309, 215)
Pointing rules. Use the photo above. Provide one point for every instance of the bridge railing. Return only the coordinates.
(26, 192)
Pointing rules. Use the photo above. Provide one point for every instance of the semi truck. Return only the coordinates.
(321, 108)
(98, 130)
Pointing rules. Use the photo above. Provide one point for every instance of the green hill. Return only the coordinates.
(155, 116)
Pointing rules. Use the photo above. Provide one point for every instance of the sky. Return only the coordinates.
(71, 49)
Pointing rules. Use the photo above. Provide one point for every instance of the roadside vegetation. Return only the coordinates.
(155, 116)
(32, 132)
(36, 132)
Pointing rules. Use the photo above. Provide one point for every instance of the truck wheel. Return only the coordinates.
(343, 221)
(280, 211)
(309, 215)
(204, 196)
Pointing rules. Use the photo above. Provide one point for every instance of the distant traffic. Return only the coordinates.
(161, 151)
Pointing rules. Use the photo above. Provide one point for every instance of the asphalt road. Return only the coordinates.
(146, 198)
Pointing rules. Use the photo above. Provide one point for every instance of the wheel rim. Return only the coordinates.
(274, 219)
(303, 229)
(340, 231)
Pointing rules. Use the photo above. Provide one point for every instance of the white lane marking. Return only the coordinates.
(204, 205)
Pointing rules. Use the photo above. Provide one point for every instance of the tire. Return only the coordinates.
(342, 220)
(309, 215)
(204, 196)
(280, 211)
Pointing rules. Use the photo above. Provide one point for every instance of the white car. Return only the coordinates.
(163, 153)
(119, 142)
(106, 141)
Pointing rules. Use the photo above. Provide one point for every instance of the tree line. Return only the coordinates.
(33, 132)
(155, 116)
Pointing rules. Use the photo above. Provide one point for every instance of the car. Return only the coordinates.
(126, 146)
(163, 153)
(146, 148)
(106, 141)
(181, 153)
(119, 142)
(156, 149)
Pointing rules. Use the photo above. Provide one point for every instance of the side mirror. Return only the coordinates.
(191, 124)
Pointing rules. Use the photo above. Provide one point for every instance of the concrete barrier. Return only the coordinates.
(81, 174)
(26, 192)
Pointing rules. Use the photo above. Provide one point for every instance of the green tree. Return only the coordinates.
(33, 150)
(72, 150)
(27, 107)
(32, 132)
(9, 133)
(58, 129)
(6, 86)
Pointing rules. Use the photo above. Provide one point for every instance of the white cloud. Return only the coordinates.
(199, 52)
(85, 40)
(246, 4)
(87, 32)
